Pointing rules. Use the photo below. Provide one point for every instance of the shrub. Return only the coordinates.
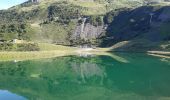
(96, 20)
(6, 46)
(63, 12)
(28, 47)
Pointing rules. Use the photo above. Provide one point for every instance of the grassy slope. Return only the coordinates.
(8, 56)
(46, 51)
(50, 47)
(56, 32)
(92, 8)
(51, 50)
(144, 41)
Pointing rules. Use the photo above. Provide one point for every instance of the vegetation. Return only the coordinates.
(55, 22)
(17, 20)
(9, 56)
(64, 12)
(7, 46)
(27, 47)
(96, 20)
(9, 31)
(25, 51)
(50, 47)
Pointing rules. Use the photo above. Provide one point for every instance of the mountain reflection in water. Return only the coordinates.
(142, 77)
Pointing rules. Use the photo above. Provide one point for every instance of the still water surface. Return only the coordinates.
(122, 76)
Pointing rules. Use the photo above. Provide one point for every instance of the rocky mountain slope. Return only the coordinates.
(146, 27)
(130, 24)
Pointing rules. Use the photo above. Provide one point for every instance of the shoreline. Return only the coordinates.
(20, 56)
(29, 55)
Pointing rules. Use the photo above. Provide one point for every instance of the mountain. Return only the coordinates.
(143, 28)
(127, 24)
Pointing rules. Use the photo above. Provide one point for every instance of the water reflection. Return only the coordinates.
(88, 78)
(6, 95)
(86, 70)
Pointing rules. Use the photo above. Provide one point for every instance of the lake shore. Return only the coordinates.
(46, 51)
(50, 50)
(19, 56)
(50, 53)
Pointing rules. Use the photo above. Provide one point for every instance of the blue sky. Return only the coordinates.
(4, 4)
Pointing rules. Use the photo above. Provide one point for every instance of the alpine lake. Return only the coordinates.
(122, 76)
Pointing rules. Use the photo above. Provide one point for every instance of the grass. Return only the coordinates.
(46, 51)
(88, 4)
(52, 50)
(93, 7)
(49, 47)
(8, 56)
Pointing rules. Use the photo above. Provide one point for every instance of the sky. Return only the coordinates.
(4, 4)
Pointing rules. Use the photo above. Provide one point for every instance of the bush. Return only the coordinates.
(63, 12)
(6, 46)
(28, 47)
(96, 20)
(19, 47)
(10, 31)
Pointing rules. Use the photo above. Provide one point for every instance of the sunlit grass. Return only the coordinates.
(46, 51)
(52, 50)
(48, 47)
(88, 4)
(6, 56)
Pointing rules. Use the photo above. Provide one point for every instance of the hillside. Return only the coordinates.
(144, 24)
(146, 27)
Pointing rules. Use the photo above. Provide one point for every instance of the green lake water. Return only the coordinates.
(122, 76)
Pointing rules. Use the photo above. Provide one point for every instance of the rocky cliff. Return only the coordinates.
(145, 27)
